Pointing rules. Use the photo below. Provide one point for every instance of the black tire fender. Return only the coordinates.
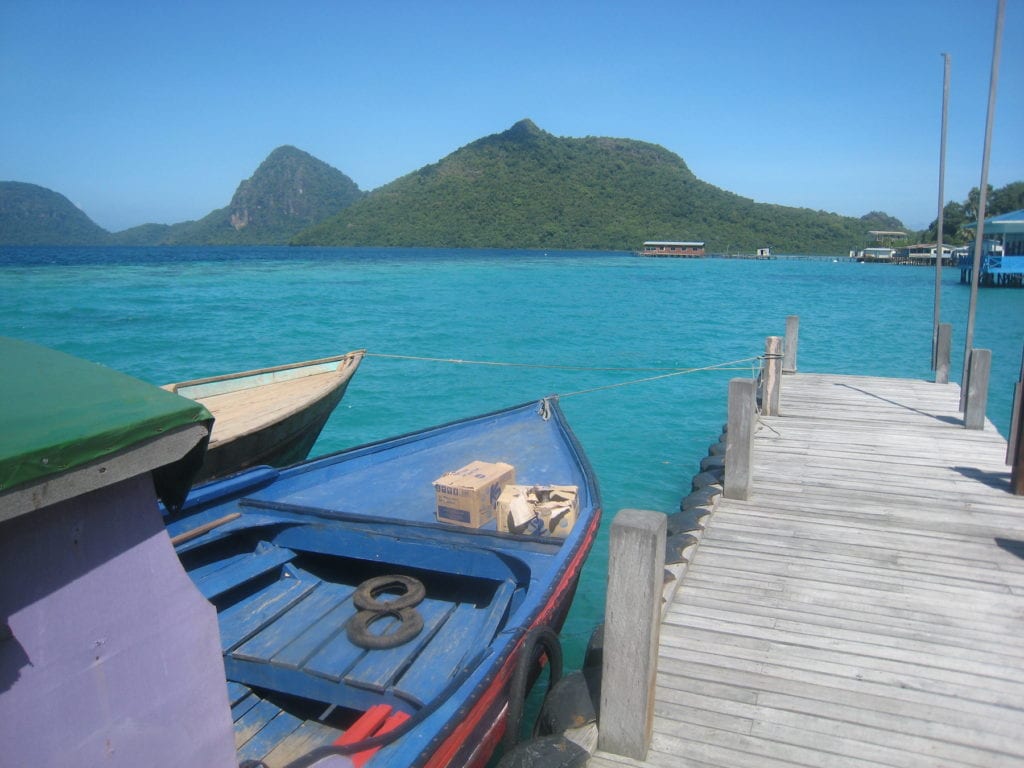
(358, 628)
(366, 594)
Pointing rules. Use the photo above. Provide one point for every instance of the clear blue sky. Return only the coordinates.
(153, 112)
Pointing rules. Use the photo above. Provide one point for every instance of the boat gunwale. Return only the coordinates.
(179, 385)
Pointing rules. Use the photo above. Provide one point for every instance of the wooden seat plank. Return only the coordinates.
(236, 692)
(244, 704)
(202, 572)
(291, 626)
(244, 619)
(338, 655)
(468, 629)
(275, 730)
(252, 721)
(303, 740)
(378, 669)
(316, 635)
(239, 570)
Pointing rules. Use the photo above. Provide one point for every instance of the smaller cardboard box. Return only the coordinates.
(538, 510)
(468, 496)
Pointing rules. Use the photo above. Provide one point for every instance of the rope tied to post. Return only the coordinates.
(663, 372)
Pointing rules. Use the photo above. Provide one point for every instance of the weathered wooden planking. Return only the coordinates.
(378, 670)
(272, 732)
(242, 620)
(858, 609)
(299, 743)
(233, 572)
(466, 629)
(238, 413)
(289, 627)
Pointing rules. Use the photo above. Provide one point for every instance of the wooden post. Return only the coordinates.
(772, 375)
(1015, 450)
(1015, 445)
(636, 563)
(739, 438)
(792, 340)
(980, 363)
(943, 346)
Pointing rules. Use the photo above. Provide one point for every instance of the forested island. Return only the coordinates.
(522, 188)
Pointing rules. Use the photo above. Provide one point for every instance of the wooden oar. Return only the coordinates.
(201, 529)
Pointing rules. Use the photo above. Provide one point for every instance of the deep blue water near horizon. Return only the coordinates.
(169, 314)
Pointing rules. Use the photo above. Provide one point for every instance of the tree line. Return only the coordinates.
(956, 216)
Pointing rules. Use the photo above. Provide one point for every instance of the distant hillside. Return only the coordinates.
(290, 191)
(523, 188)
(34, 215)
(526, 188)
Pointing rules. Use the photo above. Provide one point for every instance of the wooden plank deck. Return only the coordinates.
(245, 410)
(865, 607)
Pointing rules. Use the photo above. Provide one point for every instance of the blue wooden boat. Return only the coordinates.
(284, 556)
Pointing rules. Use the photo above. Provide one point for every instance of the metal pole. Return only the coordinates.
(983, 190)
(940, 223)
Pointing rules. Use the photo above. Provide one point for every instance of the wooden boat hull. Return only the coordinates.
(333, 522)
(270, 415)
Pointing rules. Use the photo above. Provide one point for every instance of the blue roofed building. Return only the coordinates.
(1002, 253)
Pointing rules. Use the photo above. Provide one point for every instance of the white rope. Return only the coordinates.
(560, 367)
(731, 365)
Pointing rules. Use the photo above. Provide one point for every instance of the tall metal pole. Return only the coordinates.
(983, 189)
(942, 195)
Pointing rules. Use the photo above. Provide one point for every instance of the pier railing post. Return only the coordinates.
(1015, 445)
(636, 563)
(943, 346)
(739, 438)
(980, 364)
(792, 340)
(772, 375)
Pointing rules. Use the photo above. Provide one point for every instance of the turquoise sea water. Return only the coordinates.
(172, 314)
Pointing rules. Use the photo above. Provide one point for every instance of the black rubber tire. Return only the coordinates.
(366, 593)
(358, 628)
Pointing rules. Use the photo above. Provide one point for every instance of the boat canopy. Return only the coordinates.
(61, 413)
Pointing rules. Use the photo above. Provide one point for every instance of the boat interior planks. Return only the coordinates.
(289, 634)
(241, 411)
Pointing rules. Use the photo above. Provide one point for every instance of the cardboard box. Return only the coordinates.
(468, 496)
(538, 510)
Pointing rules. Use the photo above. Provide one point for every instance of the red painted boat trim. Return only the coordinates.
(471, 724)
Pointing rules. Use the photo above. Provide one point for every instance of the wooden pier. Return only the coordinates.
(863, 607)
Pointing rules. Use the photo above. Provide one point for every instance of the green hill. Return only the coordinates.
(526, 188)
(290, 191)
(34, 215)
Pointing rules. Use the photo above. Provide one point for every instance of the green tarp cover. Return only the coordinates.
(58, 412)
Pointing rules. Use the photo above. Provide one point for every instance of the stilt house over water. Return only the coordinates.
(672, 248)
(1002, 261)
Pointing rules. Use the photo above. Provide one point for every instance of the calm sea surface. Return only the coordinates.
(168, 314)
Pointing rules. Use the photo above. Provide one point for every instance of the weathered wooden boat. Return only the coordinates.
(269, 415)
(288, 558)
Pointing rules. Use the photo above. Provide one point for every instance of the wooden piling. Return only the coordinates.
(980, 363)
(636, 563)
(739, 438)
(772, 375)
(1015, 444)
(792, 340)
(943, 347)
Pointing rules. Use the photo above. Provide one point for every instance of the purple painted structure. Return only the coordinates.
(109, 655)
(94, 670)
